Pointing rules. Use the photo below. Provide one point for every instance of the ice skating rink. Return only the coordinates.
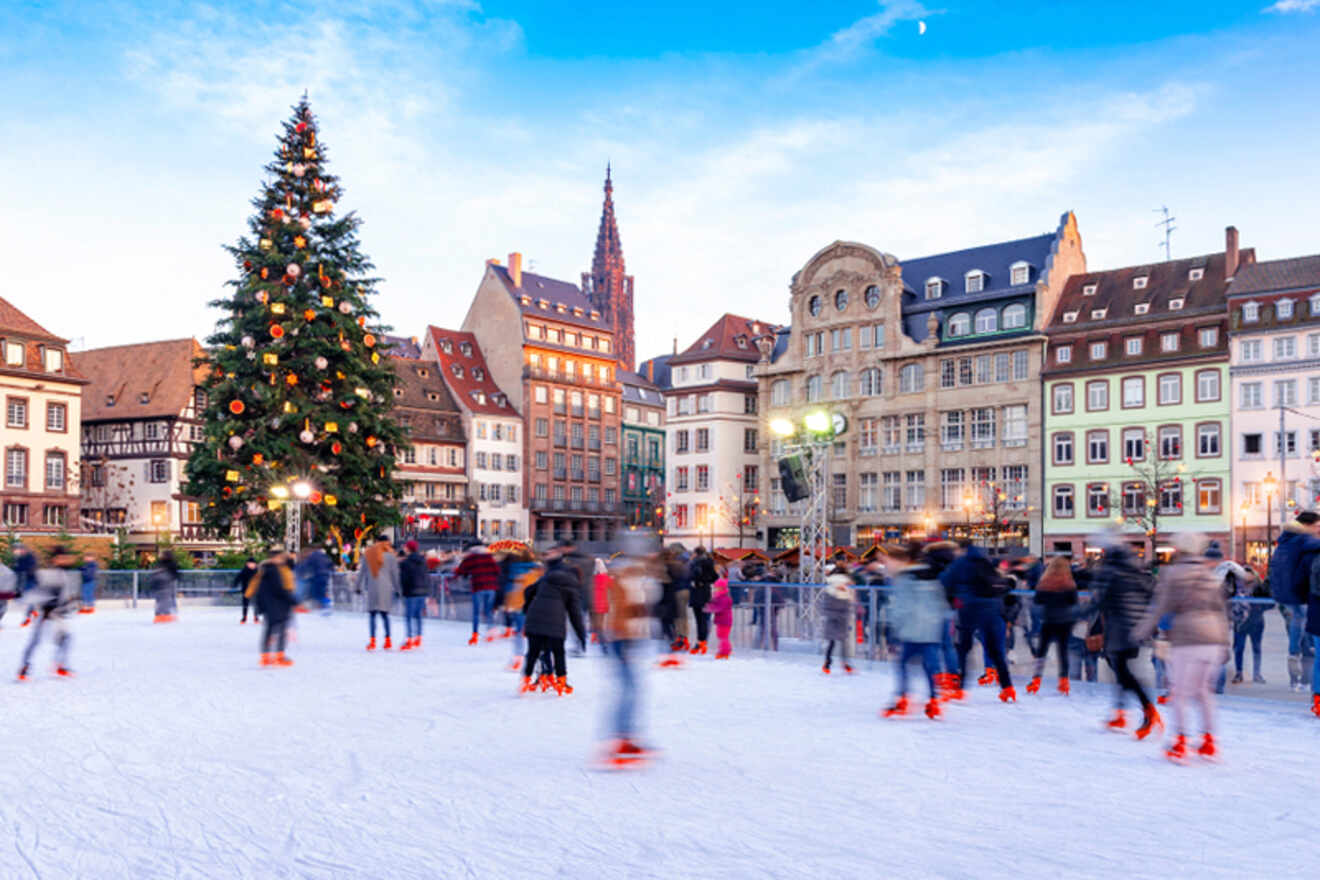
(172, 754)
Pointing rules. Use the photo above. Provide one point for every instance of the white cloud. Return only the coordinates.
(1284, 7)
(848, 43)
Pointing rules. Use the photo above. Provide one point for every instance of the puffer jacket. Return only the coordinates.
(838, 610)
(1189, 591)
(1290, 566)
(1123, 593)
(552, 598)
(919, 611)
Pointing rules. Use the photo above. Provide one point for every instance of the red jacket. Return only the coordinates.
(481, 569)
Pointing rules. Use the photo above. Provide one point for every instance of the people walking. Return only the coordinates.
(703, 574)
(241, 580)
(554, 597)
(1056, 599)
(378, 577)
(272, 588)
(1123, 593)
(919, 613)
(1188, 590)
(838, 608)
(165, 587)
(483, 573)
(1290, 572)
(414, 586)
(53, 596)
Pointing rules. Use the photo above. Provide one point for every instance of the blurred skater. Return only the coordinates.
(919, 613)
(165, 588)
(272, 589)
(978, 593)
(1122, 595)
(378, 576)
(241, 581)
(721, 606)
(1056, 597)
(25, 570)
(703, 574)
(633, 592)
(414, 586)
(483, 573)
(600, 603)
(838, 607)
(551, 599)
(88, 577)
(53, 597)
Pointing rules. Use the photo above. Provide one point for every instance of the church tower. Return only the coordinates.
(608, 286)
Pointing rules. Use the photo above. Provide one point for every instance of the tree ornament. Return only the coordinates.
(299, 170)
(336, 447)
(289, 407)
(247, 265)
(344, 307)
(293, 269)
(315, 497)
(309, 315)
(309, 153)
(321, 207)
(235, 442)
(270, 359)
(225, 491)
(299, 242)
(362, 320)
(345, 345)
(331, 500)
(276, 214)
(248, 341)
(237, 406)
(306, 436)
(264, 244)
(305, 222)
(375, 357)
(262, 296)
(300, 127)
(321, 363)
(258, 458)
(328, 302)
(252, 355)
(371, 441)
(331, 427)
(369, 340)
(276, 331)
(232, 476)
(352, 427)
(277, 308)
(291, 379)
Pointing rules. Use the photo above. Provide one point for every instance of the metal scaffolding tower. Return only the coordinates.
(814, 540)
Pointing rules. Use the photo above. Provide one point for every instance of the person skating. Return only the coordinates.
(1056, 597)
(483, 573)
(1122, 595)
(1313, 630)
(919, 613)
(681, 577)
(1189, 591)
(721, 607)
(53, 597)
(703, 574)
(88, 576)
(415, 586)
(633, 592)
(25, 570)
(8, 588)
(1289, 575)
(584, 572)
(838, 608)
(600, 603)
(554, 596)
(378, 576)
(242, 578)
(165, 588)
(977, 589)
(1246, 614)
(315, 570)
(272, 588)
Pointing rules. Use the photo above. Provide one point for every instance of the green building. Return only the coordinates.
(643, 460)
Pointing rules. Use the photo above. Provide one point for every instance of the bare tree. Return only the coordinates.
(1153, 489)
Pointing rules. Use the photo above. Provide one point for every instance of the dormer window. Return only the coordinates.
(1063, 354)
(707, 342)
(432, 396)
(975, 281)
(398, 392)
(543, 304)
(144, 397)
(934, 288)
(14, 355)
(499, 400)
(1284, 308)
(1069, 317)
(54, 359)
(109, 400)
(1089, 289)
(480, 397)
(525, 300)
(959, 325)
(1315, 304)
(423, 372)
(1098, 314)
(1141, 308)
(446, 346)
(595, 315)
(465, 349)
(478, 374)
(457, 370)
(577, 311)
(1019, 273)
(1195, 274)
(561, 308)
(1250, 313)
(1176, 303)
(1139, 283)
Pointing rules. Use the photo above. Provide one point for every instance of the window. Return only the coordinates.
(958, 325)
(813, 306)
(1134, 444)
(779, 393)
(1141, 308)
(703, 478)
(1170, 437)
(1207, 440)
(16, 514)
(680, 516)
(916, 490)
(1063, 448)
(841, 299)
(1176, 304)
(1289, 442)
(1088, 289)
(839, 491)
(951, 488)
(975, 281)
(987, 321)
(1285, 392)
(16, 412)
(983, 369)
(868, 382)
(1168, 342)
(1251, 446)
(751, 477)
(1207, 386)
(839, 385)
(1015, 425)
(1063, 399)
(867, 486)
(813, 389)
(1097, 447)
(1285, 348)
(1250, 396)
(879, 336)
(1284, 308)
(1313, 389)
(1249, 351)
(983, 427)
(1019, 273)
(1063, 354)
(1139, 283)
(703, 439)
(1063, 500)
(948, 373)
(1132, 346)
(1195, 274)
(681, 441)
(55, 470)
(891, 493)
(951, 430)
(1207, 337)
(1134, 498)
(1250, 313)
(14, 355)
(749, 439)
(1169, 389)
(1209, 496)
(916, 431)
(16, 461)
(965, 371)
(911, 378)
(866, 442)
(1134, 391)
(1099, 314)
(681, 479)
(1097, 499)
(1069, 317)
(1097, 395)
(1002, 372)
(841, 339)
(934, 288)
(1015, 317)
(1171, 498)
(1020, 366)
(872, 296)
(1099, 350)
(543, 427)
(56, 417)
(53, 359)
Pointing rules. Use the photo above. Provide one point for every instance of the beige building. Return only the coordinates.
(934, 365)
(42, 408)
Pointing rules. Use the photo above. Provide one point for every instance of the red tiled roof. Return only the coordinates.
(721, 341)
(14, 321)
(458, 371)
(162, 371)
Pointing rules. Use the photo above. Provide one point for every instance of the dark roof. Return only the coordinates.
(401, 346)
(659, 368)
(732, 337)
(1116, 298)
(162, 371)
(952, 268)
(633, 386)
(1272, 275)
(449, 350)
(423, 402)
(782, 338)
(539, 287)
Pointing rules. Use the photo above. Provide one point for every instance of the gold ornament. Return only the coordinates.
(328, 302)
(277, 308)
(331, 500)
(299, 242)
(289, 407)
(331, 427)
(270, 360)
(264, 244)
(231, 476)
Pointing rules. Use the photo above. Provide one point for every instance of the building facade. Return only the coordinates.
(43, 407)
(140, 420)
(713, 431)
(437, 507)
(1137, 407)
(1274, 338)
(934, 366)
(642, 461)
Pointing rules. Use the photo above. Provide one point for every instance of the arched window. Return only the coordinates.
(813, 306)
(869, 383)
(839, 385)
(813, 389)
(959, 325)
(841, 299)
(1015, 317)
(779, 393)
(987, 321)
(872, 297)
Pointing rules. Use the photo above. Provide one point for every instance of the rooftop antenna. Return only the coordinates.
(1167, 223)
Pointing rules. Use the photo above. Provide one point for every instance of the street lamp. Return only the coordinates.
(782, 427)
(292, 496)
(1270, 483)
(1246, 505)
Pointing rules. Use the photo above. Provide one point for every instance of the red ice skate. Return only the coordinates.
(387, 645)
(1065, 687)
(933, 709)
(988, 678)
(562, 687)
(1207, 749)
(1150, 720)
(1033, 686)
(899, 708)
(475, 638)
(1008, 695)
(281, 660)
(1177, 753)
(371, 645)
(1118, 722)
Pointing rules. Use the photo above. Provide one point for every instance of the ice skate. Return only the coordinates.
(406, 646)
(1118, 722)
(1315, 705)
(475, 638)
(899, 708)
(516, 664)
(371, 645)
(545, 683)
(723, 656)
(526, 686)
(23, 673)
(387, 645)
(1177, 753)
(849, 670)
(699, 648)
(562, 687)
(669, 661)
(825, 669)
(1033, 686)
(1237, 678)
(1207, 748)
(64, 672)
(989, 678)
(623, 754)
(1150, 720)
(86, 610)
(1008, 695)
(281, 660)
(933, 709)
(1162, 699)
(1258, 678)
(267, 659)
(1065, 686)
(163, 618)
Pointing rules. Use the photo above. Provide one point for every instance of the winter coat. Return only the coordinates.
(631, 598)
(316, 569)
(584, 572)
(1313, 604)
(1189, 591)
(413, 580)
(521, 575)
(721, 605)
(838, 608)
(55, 590)
(1056, 597)
(272, 585)
(381, 586)
(243, 577)
(972, 576)
(164, 586)
(1290, 566)
(919, 611)
(481, 570)
(25, 567)
(702, 574)
(553, 597)
(600, 599)
(1123, 593)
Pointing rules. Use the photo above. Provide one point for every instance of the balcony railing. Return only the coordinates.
(562, 505)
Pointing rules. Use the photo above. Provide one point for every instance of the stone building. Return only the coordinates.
(934, 363)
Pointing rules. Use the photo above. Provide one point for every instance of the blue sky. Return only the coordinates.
(744, 138)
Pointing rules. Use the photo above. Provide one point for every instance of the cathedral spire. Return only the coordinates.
(608, 285)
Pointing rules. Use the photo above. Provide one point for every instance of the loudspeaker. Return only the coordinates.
(793, 478)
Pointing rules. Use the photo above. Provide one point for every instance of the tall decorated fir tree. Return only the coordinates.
(299, 388)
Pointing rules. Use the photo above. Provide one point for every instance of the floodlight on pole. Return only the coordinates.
(280, 492)
(782, 427)
(818, 422)
(302, 490)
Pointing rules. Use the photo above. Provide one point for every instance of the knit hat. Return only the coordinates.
(1214, 551)
(411, 546)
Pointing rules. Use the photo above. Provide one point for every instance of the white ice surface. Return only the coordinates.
(173, 755)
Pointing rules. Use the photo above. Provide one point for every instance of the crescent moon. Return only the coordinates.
(921, 28)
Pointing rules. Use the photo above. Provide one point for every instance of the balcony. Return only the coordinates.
(577, 411)
(578, 476)
(561, 409)
(561, 505)
(593, 478)
(593, 445)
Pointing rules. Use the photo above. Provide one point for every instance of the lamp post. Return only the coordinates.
(159, 521)
(292, 496)
(1246, 505)
(1269, 483)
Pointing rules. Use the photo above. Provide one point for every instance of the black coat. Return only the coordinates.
(274, 593)
(1058, 606)
(551, 599)
(702, 574)
(412, 576)
(1123, 593)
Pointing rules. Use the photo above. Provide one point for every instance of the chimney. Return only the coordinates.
(675, 345)
(1230, 252)
(650, 371)
(515, 268)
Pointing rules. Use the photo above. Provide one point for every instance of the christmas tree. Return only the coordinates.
(299, 392)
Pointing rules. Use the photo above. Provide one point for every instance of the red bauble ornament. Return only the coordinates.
(357, 534)
(247, 264)
(368, 340)
(276, 214)
(276, 331)
(288, 280)
(316, 497)
(265, 273)
(236, 407)
(336, 447)
(258, 458)
(300, 127)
